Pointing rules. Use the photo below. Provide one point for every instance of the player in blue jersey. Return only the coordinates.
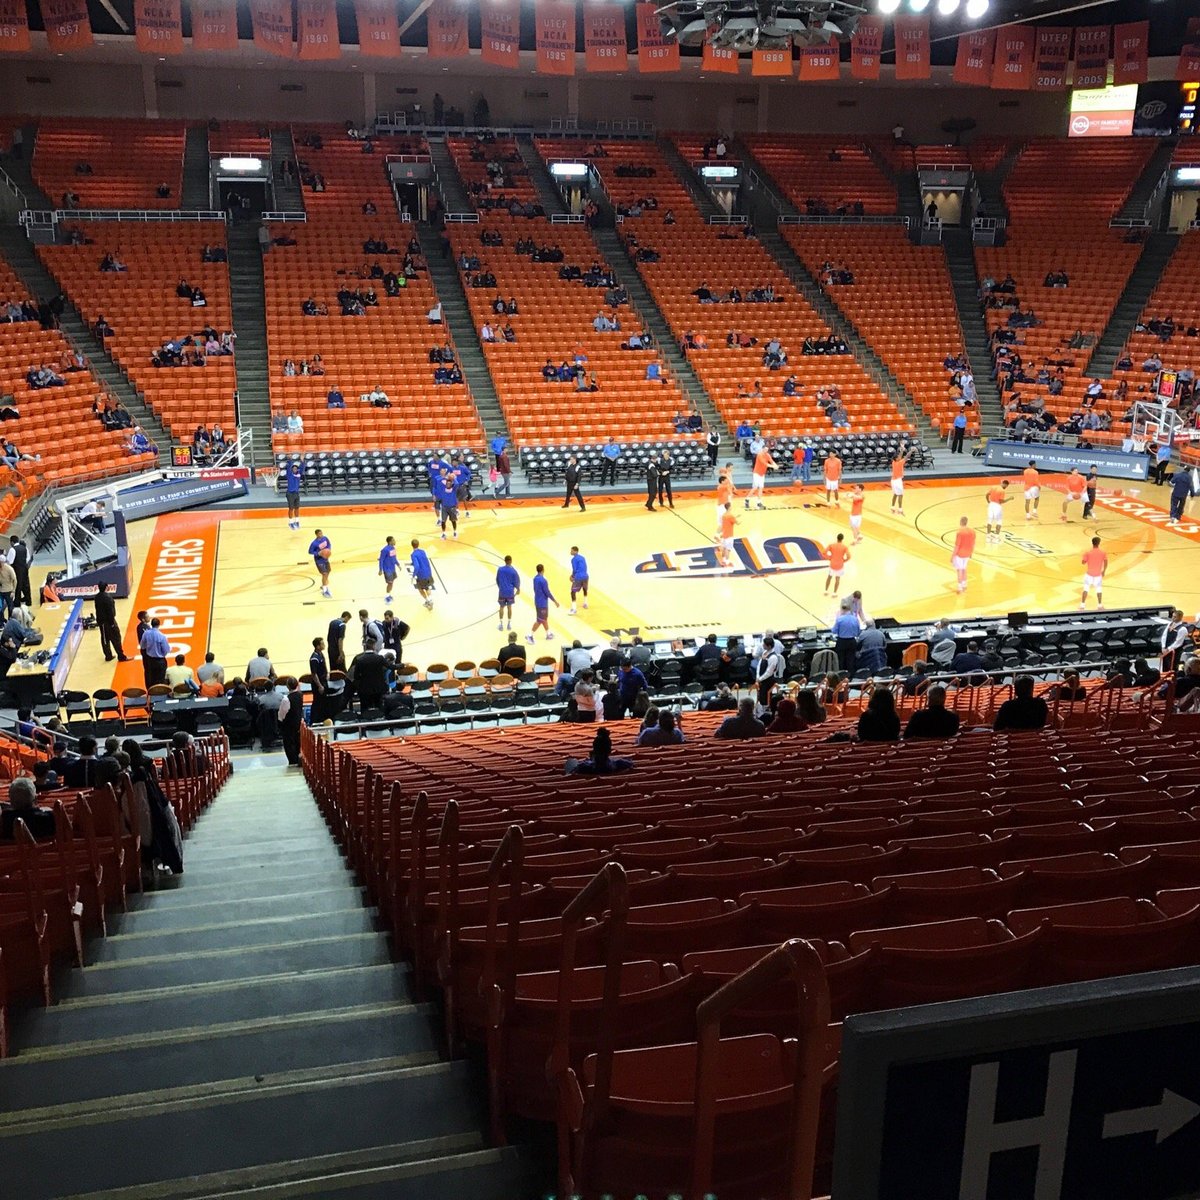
(508, 588)
(388, 567)
(422, 572)
(579, 578)
(542, 598)
(462, 484)
(446, 498)
(293, 477)
(435, 466)
(320, 549)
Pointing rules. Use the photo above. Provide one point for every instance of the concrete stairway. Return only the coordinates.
(908, 191)
(1139, 195)
(960, 260)
(548, 194)
(450, 184)
(766, 186)
(248, 295)
(20, 171)
(456, 318)
(245, 1033)
(991, 184)
(688, 177)
(288, 194)
(1142, 281)
(19, 253)
(196, 178)
(613, 250)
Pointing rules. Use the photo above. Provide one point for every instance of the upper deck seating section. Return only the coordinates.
(55, 425)
(240, 137)
(833, 173)
(555, 321)
(493, 173)
(692, 254)
(389, 344)
(109, 163)
(143, 307)
(1173, 309)
(901, 302)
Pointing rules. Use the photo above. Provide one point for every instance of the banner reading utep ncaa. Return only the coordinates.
(500, 33)
(604, 45)
(656, 53)
(866, 46)
(67, 24)
(554, 36)
(14, 26)
(159, 26)
(273, 29)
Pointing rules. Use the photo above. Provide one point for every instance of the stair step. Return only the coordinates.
(289, 1122)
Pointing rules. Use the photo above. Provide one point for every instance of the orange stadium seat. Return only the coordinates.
(128, 161)
(693, 252)
(388, 346)
(144, 310)
(834, 170)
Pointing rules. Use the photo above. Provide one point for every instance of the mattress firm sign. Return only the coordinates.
(162, 498)
(1113, 464)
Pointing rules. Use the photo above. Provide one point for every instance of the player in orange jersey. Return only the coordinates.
(833, 479)
(1095, 567)
(898, 463)
(837, 555)
(857, 495)
(763, 462)
(1032, 491)
(964, 547)
(997, 498)
(726, 491)
(725, 537)
(1076, 486)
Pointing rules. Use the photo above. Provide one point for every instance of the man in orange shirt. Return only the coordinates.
(1095, 567)
(997, 498)
(1076, 486)
(857, 495)
(964, 547)
(833, 479)
(763, 462)
(1032, 491)
(898, 481)
(726, 491)
(837, 555)
(725, 537)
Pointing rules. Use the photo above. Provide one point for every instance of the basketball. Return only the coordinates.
(324, 551)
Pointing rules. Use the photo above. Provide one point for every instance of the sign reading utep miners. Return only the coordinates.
(1089, 1092)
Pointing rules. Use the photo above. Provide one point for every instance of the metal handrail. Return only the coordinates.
(729, 219)
(848, 219)
(7, 180)
(133, 214)
(274, 215)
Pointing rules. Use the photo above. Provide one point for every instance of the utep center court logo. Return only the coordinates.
(774, 556)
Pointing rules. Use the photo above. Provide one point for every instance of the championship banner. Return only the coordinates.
(446, 24)
(554, 36)
(378, 28)
(67, 25)
(821, 64)
(1012, 68)
(14, 26)
(866, 45)
(214, 24)
(912, 46)
(604, 46)
(317, 30)
(273, 31)
(159, 26)
(500, 29)
(973, 63)
(772, 63)
(656, 53)
(1091, 56)
(1188, 69)
(1130, 52)
(1051, 58)
(720, 59)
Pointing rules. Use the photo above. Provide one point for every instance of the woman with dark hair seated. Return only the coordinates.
(879, 721)
(602, 761)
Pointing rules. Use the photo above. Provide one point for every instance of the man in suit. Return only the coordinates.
(368, 675)
(106, 621)
(18, 559)
(573, 477)
(665, 495)
(88, 771)
(651, 481)
(336, 640)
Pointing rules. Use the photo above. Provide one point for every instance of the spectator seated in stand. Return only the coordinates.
(22, 806)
